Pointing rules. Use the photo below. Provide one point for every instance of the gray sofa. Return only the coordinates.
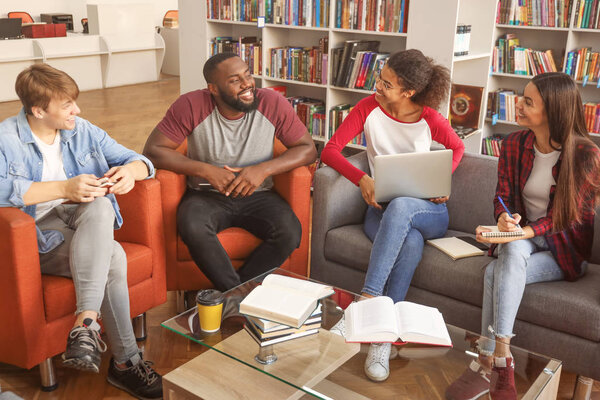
(558, 319)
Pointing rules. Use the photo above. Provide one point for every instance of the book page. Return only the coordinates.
(366, 319)
(422, 324)
(314, 289)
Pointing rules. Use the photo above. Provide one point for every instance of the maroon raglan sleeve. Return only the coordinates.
(182, 117)
(288, 127)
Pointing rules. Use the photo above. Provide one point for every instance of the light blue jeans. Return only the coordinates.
(519, 263)
(398, 233)
(98, 266)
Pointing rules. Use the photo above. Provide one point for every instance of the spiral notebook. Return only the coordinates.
(495, 233)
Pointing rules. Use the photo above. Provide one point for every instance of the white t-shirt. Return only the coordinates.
(52, 170)
(536, 193)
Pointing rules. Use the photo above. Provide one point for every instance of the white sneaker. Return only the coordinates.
(377, 364)
(339, 328)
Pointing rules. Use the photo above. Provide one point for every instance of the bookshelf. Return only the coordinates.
(561, 40)
(431, 28)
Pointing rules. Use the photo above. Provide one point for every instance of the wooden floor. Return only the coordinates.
(129, 114)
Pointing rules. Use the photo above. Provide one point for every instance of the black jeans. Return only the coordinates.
(203, 214)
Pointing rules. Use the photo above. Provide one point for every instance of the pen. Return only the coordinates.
(506, 209)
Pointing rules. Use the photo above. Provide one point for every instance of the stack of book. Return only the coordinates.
(587, 14)
(283, 308)
(249, 48)
(510, 58)
(551, 13)
(584, 65)
(266, 332)
(372, 15)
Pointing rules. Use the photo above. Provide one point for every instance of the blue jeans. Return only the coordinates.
(519, 263)
(398, 233)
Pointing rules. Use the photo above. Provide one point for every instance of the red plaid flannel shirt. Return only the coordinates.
(571, 246)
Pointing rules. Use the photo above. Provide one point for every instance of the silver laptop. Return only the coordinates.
(421, 175)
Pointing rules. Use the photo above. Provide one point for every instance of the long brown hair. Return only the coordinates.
(430, 81)
(580, 164)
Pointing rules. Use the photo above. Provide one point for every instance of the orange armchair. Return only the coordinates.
(24, 15)
(37, 311)
(182, 272)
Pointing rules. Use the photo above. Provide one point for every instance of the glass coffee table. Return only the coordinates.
(324, 366)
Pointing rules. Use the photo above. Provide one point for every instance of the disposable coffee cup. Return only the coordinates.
(210, 309)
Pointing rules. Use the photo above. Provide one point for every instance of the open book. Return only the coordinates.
(495, 233)
(378, 319)
(284, 300)
(455, 247)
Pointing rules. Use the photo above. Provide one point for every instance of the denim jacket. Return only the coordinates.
(86, 149)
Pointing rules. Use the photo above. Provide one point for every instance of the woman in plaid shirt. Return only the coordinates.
(549, 179)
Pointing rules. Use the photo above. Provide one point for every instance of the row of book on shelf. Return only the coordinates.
(550, 13)
(357, 64)
(372, 15)
(587, 13)
(283, 308)
(312, 13)
(249, 48)
(510, 58)
(584, 65)
(305, 64)
(490, 145)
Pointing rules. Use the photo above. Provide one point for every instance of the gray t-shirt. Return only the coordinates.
(219, 141)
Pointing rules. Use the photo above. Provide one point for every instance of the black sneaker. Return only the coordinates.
(140, 380)
(84, 346)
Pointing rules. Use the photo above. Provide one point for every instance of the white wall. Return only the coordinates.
(78, 8)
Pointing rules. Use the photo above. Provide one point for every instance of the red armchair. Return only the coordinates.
(37, 311)
(182, 272)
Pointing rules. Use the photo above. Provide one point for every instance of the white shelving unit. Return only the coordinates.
(561, 41)
(122, 48)
(431, 32)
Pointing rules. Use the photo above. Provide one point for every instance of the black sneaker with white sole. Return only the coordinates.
(140, 380)
(84, 346)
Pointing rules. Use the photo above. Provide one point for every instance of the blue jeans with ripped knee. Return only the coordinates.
(519, 263)
(398, 233)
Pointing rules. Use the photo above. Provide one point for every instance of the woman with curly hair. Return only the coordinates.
(400, 117)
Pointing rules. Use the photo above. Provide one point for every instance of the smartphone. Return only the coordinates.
(473, 242)
(106, 183)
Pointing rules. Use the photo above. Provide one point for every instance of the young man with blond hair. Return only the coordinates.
(65, 172)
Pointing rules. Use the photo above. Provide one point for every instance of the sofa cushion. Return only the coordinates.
(348, 245)
(578, 303)
(461, 279)
(139, 262)
(237, 242)
(572, 307)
